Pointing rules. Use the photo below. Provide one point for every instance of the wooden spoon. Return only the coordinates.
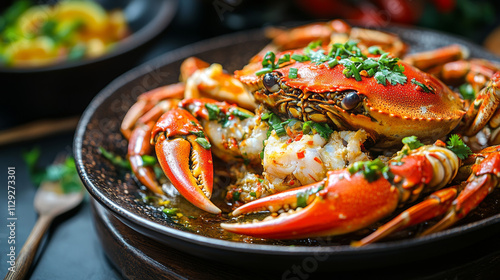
(50, 202)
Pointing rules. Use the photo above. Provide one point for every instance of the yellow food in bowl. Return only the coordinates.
(33, 36)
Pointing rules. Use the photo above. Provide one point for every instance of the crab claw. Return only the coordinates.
(339, 204)
(184, 154)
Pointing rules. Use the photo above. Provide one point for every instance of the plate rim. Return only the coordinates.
(233, 246)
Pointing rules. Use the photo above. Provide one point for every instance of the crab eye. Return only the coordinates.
(271, 82)
(350, 100)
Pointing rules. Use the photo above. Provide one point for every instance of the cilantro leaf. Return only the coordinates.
(275, 124)
(425, 88)
(467, 91)
(374, 50)
(303, 197)
(322, 129)
(115, 159)
(213, 111)
(412, 142)
(456, 145)
(283, 59)
(240, 114)
(380, 77)
(203, 142)
(371, 170)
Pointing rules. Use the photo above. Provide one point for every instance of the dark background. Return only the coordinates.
(72, 249)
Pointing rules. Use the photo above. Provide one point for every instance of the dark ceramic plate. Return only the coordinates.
(66, 88)
(118, 192)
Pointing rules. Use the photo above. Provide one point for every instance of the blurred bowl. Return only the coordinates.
(66, 88)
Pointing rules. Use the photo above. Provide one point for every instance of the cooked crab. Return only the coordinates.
(313, 104)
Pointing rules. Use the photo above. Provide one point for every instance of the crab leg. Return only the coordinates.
(474, 71)
(187, 164)
(484, 106)
(137, 147)
(435, 205)
(146, 101)
(483, 180)
(429, 59)
(346, 202)
(444, 201)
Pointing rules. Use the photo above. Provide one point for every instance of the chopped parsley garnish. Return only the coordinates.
(124, 163)
(269, 60)
(198, 133)
(467, 91)
(332, 63)
(236, 196)
(275, 124)
(372, 170)
(148, 160)
(375, 50)
(269, 63)
(412, 142)
(170, 211)
(203, 142)
(240, 114)
(263, 71)
(394, 77)
(302, 197)
(213, 111)
(456, 145)
(283, 59)
(300, 57)
(425, 88)
(383, 68)
(323, 129)
(115, 159)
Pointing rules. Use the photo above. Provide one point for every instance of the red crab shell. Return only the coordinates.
(392, 111)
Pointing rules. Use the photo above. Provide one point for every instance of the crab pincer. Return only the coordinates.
(184, 154)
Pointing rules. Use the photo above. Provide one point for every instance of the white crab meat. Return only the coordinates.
(301, 159)
(294, 163)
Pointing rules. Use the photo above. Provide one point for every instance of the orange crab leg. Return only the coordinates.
(137, 147)
(187, 164)
(345, 204)
(483, 180)
(435, 205)
(146, 101)
(484, 106)
(429, 59)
